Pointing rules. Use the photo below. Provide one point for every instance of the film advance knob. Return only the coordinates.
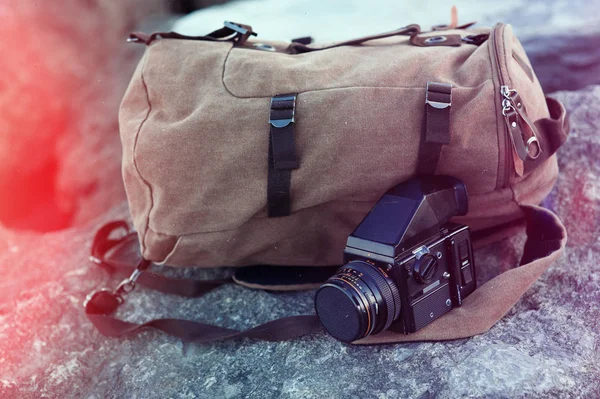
(425, 268)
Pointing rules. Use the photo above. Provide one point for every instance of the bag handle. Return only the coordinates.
(409, 30)
(231, 31)
(546, 240)
(553, 131)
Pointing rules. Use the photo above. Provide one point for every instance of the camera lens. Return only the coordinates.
(359, 300)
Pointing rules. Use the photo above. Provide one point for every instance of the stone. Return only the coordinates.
(545, 346)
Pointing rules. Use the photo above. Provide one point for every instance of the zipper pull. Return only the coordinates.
(523, 133)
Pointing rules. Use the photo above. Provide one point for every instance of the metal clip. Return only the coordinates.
(438, 104)
(238, 28)
(279, 123)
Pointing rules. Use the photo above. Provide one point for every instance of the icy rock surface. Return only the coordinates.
(545, 347)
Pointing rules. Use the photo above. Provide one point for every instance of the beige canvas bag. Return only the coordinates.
(239, 151)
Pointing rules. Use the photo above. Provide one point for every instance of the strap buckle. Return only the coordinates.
(283, 103)
(439, 95)
(105, 301)
(239, 28)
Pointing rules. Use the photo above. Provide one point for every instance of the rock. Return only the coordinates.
(544, 347)
(66, 69)
(561, 37)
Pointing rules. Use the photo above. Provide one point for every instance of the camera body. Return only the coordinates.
(405, 264)
(432, 277)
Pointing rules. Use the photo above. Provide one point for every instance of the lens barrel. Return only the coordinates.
(359, 300)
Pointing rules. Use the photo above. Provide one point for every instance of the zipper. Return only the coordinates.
(520, 140)
(498, 30)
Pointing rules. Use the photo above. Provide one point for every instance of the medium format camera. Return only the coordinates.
(405, 264)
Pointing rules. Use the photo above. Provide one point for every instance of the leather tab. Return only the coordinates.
(438, 102)
(434, 41)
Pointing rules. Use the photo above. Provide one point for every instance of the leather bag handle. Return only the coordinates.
(409, 30)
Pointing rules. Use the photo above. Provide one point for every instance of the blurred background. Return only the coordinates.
(66, 66)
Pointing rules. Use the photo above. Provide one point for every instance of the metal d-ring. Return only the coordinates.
(535, 140)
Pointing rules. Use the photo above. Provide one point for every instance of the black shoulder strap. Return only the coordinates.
(100, 305)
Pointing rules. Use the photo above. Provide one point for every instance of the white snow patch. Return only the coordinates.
(63, 372)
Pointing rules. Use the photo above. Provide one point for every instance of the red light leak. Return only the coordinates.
(34, 112)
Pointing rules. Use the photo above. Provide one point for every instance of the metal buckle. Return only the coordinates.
(536, 154)
(438, 104)
(237, 28)
(279, 123)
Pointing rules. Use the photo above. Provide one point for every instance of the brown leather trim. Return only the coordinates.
(435, 41)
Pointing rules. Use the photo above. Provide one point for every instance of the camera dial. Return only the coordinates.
(425, 268)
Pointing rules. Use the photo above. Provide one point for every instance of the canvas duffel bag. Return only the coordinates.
(238, 152)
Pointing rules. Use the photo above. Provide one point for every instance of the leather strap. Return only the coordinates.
(553, 133)
(546, 240)
(438, 102)
(119, 255)
(409, 30)
(283, 329)
(231, 31)
(100, 305)
(282, 155)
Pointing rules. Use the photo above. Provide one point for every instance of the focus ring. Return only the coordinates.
(389, 292)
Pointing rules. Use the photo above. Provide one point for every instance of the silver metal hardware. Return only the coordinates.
(439, 255)
(507, 105)
(536, 154)
(133, 39)
(446, 275)
(279, 123)
(436, 39)
(264, 47)
(437, 104)
(128, 285)
(448, 302)
(419, 252)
